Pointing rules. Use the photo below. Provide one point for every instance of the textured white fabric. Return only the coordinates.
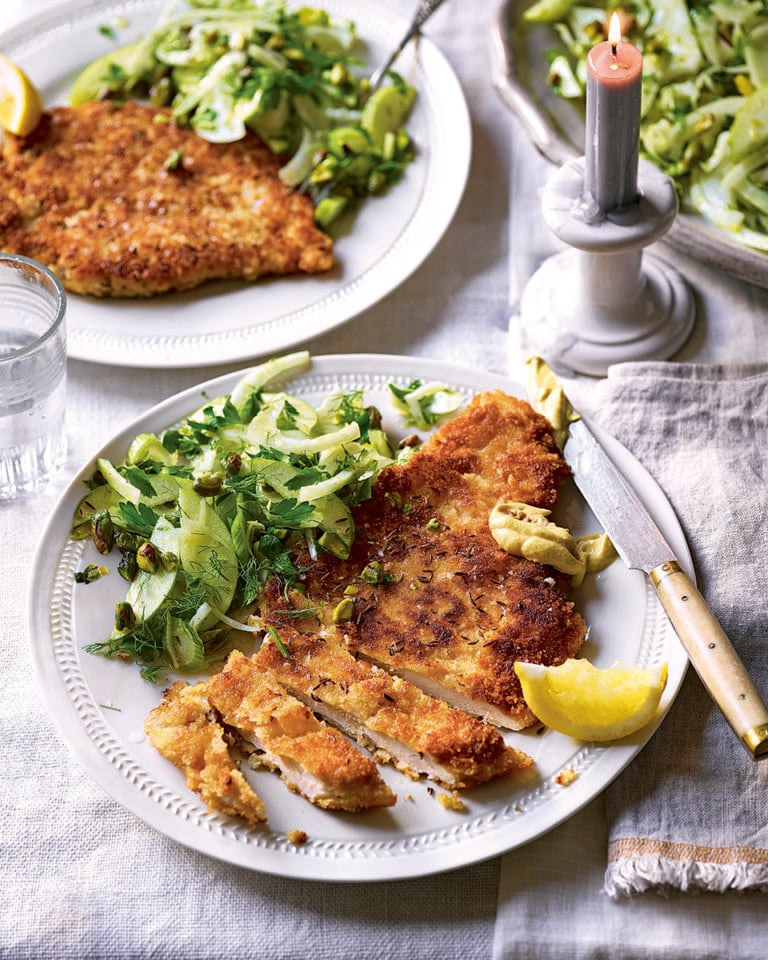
(690, 814)
(552, 906)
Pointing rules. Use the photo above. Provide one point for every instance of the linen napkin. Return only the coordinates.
(690, 813)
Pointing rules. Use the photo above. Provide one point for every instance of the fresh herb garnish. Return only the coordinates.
(208, 511)
(138, 518)
(278, 642)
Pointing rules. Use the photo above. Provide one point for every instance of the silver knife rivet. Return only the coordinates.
(712, 646)
(684, 597)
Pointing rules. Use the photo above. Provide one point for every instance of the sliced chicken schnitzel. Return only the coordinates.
(421, 735)
(436, 600)
(193, 725)
(312, 758)
(120, 202)
(183, 729)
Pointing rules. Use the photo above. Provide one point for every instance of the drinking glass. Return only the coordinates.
(32, 375)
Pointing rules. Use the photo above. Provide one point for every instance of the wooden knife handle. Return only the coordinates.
(713, 656)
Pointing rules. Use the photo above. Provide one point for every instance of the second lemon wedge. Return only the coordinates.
(587, 703)
(21, 105)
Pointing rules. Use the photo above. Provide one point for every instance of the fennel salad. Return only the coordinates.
(292, 77)
(198, 517)
(705, 96)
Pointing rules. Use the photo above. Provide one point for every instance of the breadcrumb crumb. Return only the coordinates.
(452, 801)
(566, 777)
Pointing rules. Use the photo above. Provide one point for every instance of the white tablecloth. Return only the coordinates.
(82, 878)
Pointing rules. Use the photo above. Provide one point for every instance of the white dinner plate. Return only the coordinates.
(99, 705)
(376, 249)
(556, 128)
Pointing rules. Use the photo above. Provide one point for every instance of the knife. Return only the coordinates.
(641, 546)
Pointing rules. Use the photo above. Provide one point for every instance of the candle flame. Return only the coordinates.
(614, 30)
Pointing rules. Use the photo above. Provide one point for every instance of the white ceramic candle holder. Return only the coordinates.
(604, 301)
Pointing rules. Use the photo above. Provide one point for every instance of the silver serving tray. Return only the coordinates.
(556, 128)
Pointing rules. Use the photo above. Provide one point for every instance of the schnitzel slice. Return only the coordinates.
(418, 734)
(193, 726)
(183, 729)
(313, 759)
(119, 201)
(435, 599)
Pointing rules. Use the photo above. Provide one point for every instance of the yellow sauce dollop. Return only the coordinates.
(547, 398)
(527, 531)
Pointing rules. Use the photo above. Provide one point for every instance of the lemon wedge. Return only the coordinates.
(587, 703)
(21, 105)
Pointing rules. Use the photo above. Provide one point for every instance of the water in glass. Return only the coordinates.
(32, 375)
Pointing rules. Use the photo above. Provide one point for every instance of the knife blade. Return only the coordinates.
(642, 546)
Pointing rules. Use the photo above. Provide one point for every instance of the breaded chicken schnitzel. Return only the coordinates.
(420, 735)
(436, 600)
(119, 201)
(183, 729)
(314, 759)
(440, 613)
(194, 724)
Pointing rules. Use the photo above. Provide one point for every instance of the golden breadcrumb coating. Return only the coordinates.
(420, 734)
(119, 201)
(195, 724)
(183, 729)
(433, 638)
(314, 759)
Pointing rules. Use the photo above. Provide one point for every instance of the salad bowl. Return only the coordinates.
(556, 128)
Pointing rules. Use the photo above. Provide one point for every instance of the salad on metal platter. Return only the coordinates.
(293, 77)
(203, 513)
(705, 95)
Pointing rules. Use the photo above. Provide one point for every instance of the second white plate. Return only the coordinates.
(376, 250)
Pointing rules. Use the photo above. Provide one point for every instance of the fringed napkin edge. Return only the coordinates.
(636, 865)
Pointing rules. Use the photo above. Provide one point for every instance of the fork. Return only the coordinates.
(424, 11)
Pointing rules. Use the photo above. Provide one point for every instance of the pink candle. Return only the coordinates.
(614, 88)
